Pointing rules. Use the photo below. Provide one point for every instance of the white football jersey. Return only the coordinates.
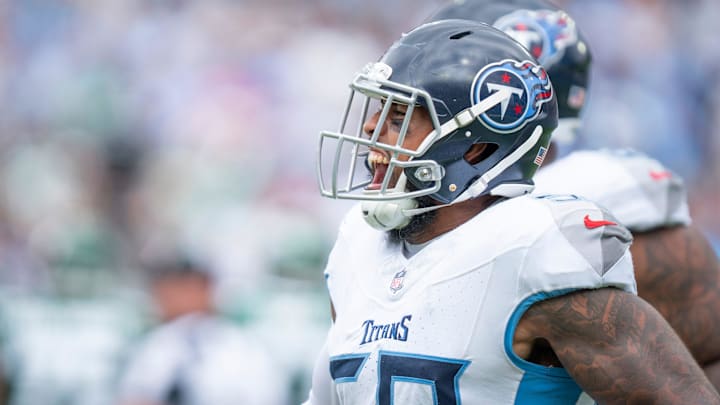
(638, 190)
(437, 328)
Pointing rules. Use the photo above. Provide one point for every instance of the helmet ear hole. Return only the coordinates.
(479, 152)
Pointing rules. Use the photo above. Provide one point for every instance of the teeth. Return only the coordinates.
(375, 158)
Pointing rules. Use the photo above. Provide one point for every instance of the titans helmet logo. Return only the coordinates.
(528, 87)
(546, 34)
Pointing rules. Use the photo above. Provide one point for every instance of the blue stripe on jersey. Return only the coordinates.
(440, 373)
(540, 385)
(346, 368)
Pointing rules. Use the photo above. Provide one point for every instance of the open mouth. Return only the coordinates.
(378, 165)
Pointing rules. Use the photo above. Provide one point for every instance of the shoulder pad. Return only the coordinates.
(584, 247)
(638, 190)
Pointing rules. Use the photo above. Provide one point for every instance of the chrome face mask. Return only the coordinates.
(343, 165)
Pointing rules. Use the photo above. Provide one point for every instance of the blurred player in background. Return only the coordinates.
(448, 282)
(675, 267)
(195, 357)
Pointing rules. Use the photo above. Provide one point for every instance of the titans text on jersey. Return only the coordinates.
(395, 331)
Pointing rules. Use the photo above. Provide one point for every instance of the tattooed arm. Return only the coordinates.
(617, 348)
(678, 273)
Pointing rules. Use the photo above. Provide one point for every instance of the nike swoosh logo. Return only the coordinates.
(591, 224)
(660, 175)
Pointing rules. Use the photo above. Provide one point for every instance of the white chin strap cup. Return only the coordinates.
(387, 215)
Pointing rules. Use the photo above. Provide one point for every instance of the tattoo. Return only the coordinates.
(619, 349)
(678, 273)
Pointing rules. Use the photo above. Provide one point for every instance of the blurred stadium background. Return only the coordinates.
(130, 126)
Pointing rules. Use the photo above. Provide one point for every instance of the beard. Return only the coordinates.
(417, 223)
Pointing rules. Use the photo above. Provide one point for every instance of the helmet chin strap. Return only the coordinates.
(387, 215)
(396, 214)
(476, 189)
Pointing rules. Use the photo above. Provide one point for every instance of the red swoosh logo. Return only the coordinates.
(660, 175)
(591, 224)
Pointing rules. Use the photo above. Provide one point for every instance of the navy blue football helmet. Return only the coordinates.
(550, 35)
(478, 86)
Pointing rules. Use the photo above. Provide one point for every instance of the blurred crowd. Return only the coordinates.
(130, 128)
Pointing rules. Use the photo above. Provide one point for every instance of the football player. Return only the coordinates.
(675, 267)
(195, 356)
(449, 283)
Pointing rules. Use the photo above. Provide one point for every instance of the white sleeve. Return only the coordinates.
(322, 391)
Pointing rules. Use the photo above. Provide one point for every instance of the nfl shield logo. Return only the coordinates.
(397, 281)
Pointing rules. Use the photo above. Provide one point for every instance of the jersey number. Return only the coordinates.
(441, 374)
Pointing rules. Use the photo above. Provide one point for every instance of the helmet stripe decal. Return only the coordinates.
(467, 116)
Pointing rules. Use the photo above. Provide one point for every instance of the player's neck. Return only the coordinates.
(449, 218)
